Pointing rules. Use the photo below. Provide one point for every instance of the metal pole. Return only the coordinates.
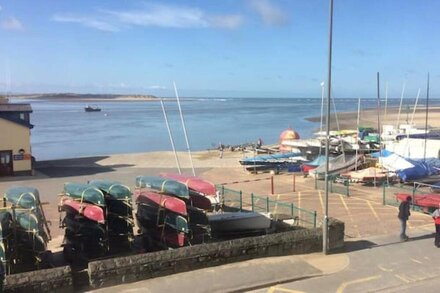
(171, 136)
(378, 113)
(322, 107)
(426, 119)
(327, 142)
(184, 129)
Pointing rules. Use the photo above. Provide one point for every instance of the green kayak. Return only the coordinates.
(84, 192)
(23, 197)
(113, 189)
(163, 185)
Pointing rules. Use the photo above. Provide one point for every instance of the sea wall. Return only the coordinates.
(149, 265)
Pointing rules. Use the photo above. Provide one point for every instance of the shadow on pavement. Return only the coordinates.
(351, 246)
(75, 167)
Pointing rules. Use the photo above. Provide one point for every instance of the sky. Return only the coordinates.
(227, 48)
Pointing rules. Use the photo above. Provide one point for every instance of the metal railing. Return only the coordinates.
(264, 204)
(335, 184)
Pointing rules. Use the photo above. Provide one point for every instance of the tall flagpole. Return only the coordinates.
(327, 141)
(171, 136)
(184, 129)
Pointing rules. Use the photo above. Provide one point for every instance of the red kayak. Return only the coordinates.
(167, 202)
(195, 183)
(429, 200)
(89, 211)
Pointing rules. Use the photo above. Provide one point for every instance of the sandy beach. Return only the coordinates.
(368, 118)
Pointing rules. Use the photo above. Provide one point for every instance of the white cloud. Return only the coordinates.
(157, 87)
(87, 22)
(227, 21)
(269, 12)
(12, 24)
(163, 16)
(172, 16)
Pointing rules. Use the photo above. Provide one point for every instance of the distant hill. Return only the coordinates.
(81, 97)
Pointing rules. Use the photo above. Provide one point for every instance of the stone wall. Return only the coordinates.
(133, 268)
(149, 265)
(50, 280)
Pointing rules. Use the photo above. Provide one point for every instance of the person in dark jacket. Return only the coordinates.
(436, 217)
(403, 216)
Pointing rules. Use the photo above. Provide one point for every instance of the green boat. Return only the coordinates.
(113, 189)
(26, 206)
(84, 192)
(23, 197)
(163, 185)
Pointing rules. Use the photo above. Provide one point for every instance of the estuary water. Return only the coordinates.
(62, 129)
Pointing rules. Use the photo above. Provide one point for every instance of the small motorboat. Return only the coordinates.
(92, 109)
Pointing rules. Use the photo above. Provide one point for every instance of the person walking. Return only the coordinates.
(403, 216)
(436, 217)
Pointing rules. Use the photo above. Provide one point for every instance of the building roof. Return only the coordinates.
(15, 108)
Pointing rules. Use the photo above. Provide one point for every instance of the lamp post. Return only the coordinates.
(327, 142)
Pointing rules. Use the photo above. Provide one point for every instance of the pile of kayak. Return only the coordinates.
(97, 218)
(172, 209)
(24, 231)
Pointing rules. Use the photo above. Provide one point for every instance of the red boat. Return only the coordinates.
(197, 184)
(428, 200)
(153, 199)
(89, 211)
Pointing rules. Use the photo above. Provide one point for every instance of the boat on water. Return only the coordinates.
(239, 222)
(89, 108)
(337, 165)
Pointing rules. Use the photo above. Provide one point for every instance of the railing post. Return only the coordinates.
(267, 204)
(223, 190)
(331, 184)
(252, 201)
(316, 182)
(241, 200)
(314, 219)
(291, 209)
(348, 188)
(383, 194)
(271, 185)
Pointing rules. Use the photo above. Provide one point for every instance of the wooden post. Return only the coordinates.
(271, 185)
(294, 179)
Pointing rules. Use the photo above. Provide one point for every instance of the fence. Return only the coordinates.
(417, 191)
(257, 203)
(335, 184)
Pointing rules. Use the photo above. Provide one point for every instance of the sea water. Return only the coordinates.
(62, 129)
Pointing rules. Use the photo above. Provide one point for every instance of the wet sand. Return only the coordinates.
(368, 118)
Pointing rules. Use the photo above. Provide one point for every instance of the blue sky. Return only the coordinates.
(229, 48)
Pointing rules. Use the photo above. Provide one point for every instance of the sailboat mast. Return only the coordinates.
(400, 106)
(327, 141)
(415, 106)
(386, 102)
(184, 129)
(426, 119)
(171, 136)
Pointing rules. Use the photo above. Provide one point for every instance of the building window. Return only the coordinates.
(22, 116)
